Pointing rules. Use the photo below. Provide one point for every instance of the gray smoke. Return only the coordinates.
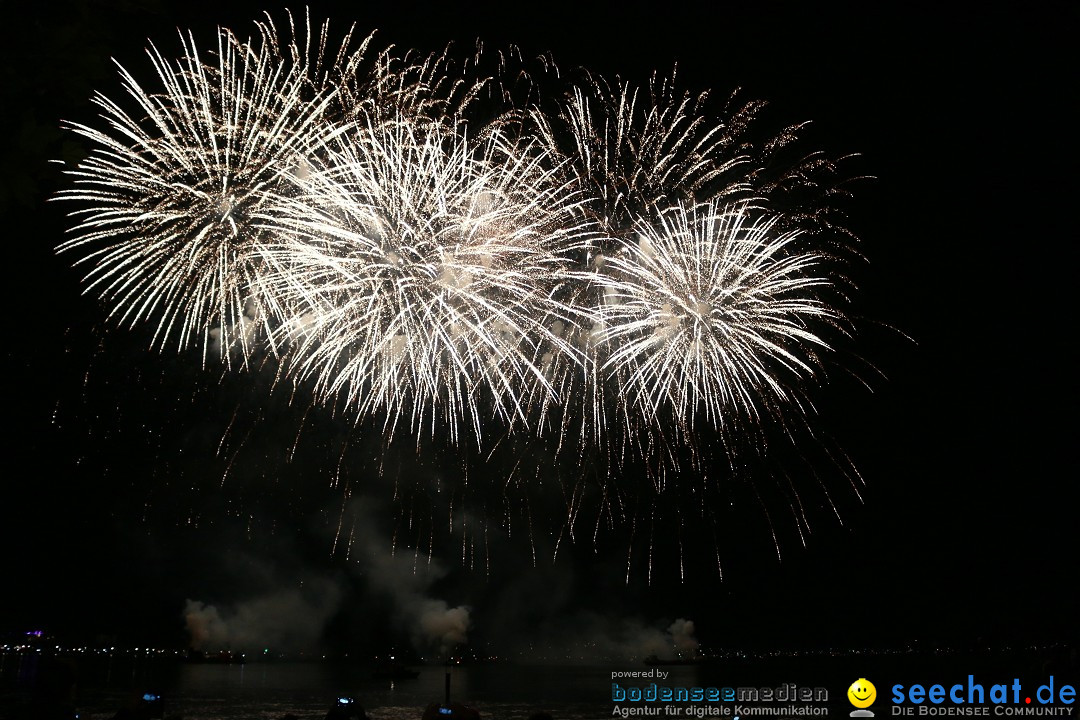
(537, 615)
(682, 637)
(588, 637)
(442, 625)
(287, 620)
(406, 577)
(274, 600)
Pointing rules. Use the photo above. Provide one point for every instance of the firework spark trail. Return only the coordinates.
(371, 88)
(169, 191)
(712, 311)
(639, 151)
(310, 53)
(609, 276)
(698, 311)
(640, 154)
(423, 267)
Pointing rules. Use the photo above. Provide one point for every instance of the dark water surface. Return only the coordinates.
(267, 691)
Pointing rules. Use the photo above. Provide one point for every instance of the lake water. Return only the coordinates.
(267, 691)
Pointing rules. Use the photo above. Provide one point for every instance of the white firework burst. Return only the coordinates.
(713, 313)
(615, 275)
(169, 189)
(425, 270)
(639, 150)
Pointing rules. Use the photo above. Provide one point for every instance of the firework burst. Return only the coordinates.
(169, 191)
(712, 312)
(707, 331)
(424, 267)
(639, 150)
(613, 276)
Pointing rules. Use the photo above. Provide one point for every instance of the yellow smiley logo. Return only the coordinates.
(862, 693)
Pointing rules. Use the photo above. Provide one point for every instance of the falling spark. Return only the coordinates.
(613, 279)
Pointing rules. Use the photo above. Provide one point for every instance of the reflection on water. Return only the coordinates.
(268, 691)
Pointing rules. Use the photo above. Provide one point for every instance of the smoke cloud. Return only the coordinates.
(540, 614)
(286, 606)
(442, 625)
(590, 637)
(285, 620)
(406, 578)
(682, 637)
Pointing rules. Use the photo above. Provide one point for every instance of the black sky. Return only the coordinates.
(968, 525)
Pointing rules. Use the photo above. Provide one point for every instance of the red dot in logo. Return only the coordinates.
(1027, 700)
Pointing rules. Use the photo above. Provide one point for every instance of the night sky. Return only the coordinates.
(115, 513)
